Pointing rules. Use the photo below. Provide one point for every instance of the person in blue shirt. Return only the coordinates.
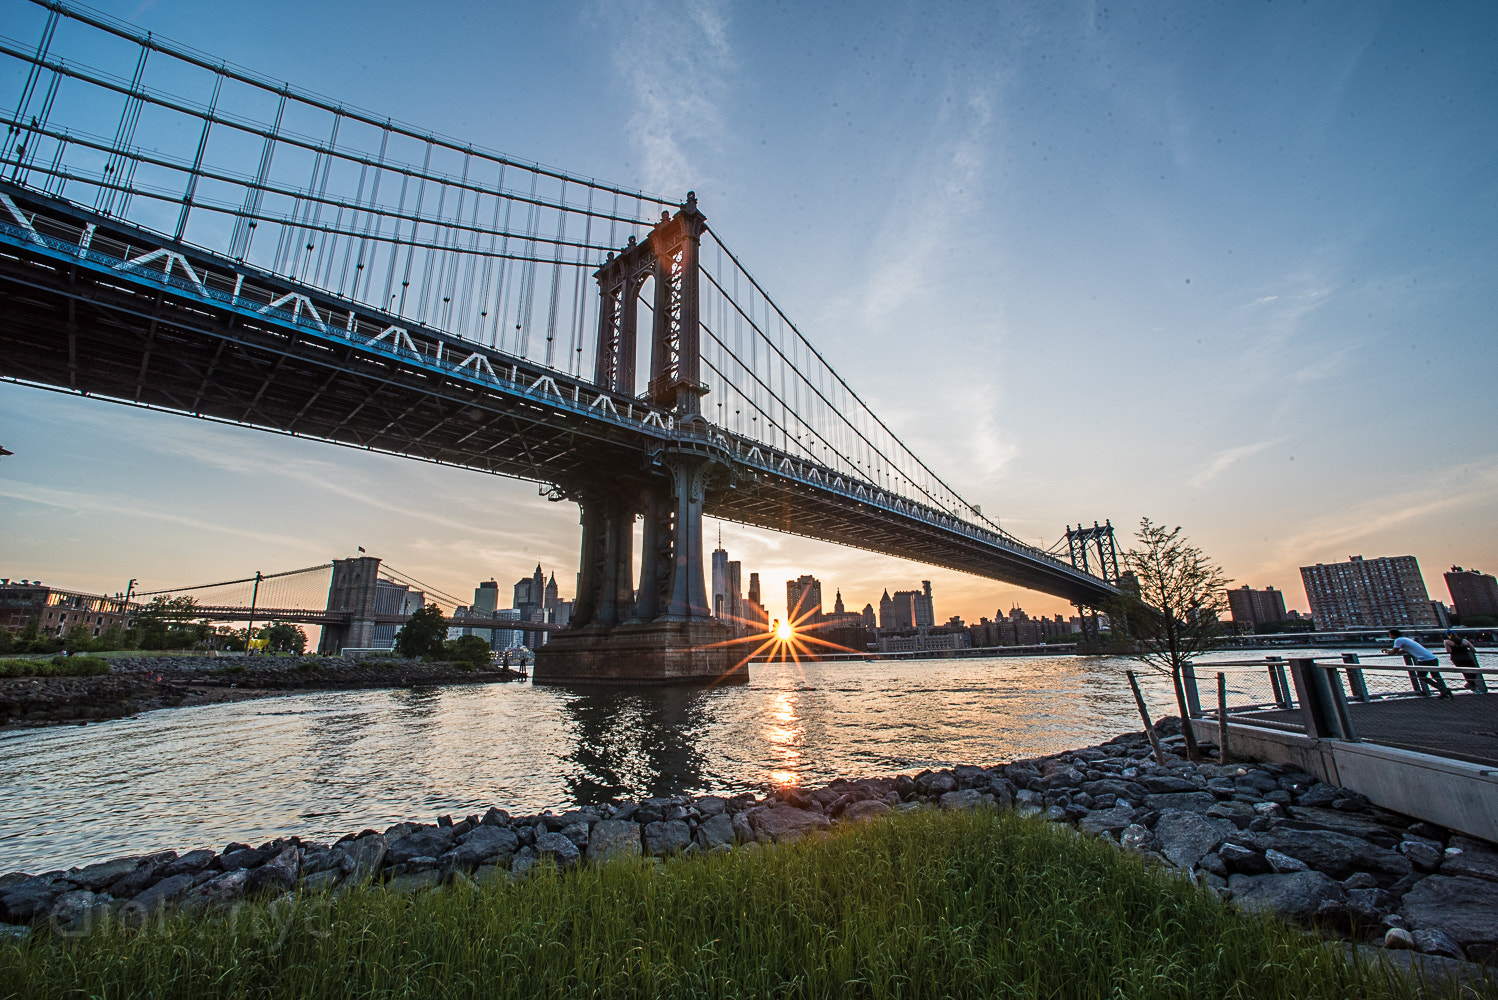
(1419, 656)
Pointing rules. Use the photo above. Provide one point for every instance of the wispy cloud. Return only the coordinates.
(1439, 494)
(113, 506)
(677, 83)
(1228, 457)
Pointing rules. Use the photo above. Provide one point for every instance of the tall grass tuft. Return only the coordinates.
(927, 904)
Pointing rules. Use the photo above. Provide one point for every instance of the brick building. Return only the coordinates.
(1368, 593)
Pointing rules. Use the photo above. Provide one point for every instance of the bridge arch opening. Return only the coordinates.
(644, 306)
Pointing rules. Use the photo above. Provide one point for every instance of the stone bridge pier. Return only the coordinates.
(663, 632)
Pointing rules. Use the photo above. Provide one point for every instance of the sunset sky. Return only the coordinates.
(1228, 266)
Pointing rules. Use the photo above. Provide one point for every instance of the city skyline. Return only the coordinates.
(1286, 268)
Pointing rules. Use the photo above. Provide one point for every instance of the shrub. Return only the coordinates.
(57, 666)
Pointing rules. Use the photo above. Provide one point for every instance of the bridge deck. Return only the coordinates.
(1462, 728)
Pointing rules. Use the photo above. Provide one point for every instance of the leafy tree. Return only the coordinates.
(168, 623)
(79, 639)
(469, 650)
(7, 640)
(423, 634)
(111, 638)
(284, 637)
(1169, 610)
(1477, 621)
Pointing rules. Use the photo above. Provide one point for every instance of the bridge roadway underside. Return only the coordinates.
(71, 327)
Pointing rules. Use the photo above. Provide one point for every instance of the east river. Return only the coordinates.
(322, 764)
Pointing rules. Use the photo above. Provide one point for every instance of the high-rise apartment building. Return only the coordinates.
(1256, 607)
(803, 599)
(1369, 593)
(1472, 592)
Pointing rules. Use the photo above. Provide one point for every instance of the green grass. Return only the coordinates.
(57, 666)
(921, 905)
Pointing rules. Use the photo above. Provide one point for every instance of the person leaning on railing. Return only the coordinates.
(1419, 656)
(1463, 656)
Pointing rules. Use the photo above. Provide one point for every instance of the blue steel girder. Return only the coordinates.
(91, 305)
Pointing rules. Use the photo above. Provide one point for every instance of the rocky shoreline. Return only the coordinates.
(140, 684)
(1265, 836)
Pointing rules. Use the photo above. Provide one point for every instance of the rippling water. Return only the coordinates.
(327, 763)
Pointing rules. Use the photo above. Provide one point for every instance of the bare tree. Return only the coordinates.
(1169, 610)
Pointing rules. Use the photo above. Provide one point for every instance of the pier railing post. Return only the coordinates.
(1278, 681)
(1193, 694)
(1355, 679)
(1323, 704)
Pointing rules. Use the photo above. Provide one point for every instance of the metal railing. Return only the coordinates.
(1268, 692)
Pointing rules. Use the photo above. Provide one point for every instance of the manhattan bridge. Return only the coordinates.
(186, 235)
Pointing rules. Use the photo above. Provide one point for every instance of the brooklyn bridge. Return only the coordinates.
(184, 235)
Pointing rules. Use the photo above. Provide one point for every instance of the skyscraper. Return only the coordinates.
(803, 599)
(1384, 592)
(1472, 592)
(727, 597)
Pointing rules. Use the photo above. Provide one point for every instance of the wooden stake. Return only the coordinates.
(1222, 718)
(1144, 713)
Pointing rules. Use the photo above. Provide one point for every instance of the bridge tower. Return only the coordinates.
(665, 631)
(352, 593)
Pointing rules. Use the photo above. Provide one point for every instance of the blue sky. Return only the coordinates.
(1230, 266)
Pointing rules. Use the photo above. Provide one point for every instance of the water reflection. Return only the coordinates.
(634, 742)
(324, 764)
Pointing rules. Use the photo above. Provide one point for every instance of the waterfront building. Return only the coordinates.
(57, 610)
(803, 599)
(1387, 592)
(869, 621)
(907, 608)
(925, 640)
(842, 618)
(1019, 629)
(1256, 607)
(393, 599)
(1473, 592)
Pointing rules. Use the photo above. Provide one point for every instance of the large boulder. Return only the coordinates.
(668, 836)
(75, 913)
(786, 823)
(428, 842)
(936, 782)
(482, 844)
(1298, 895)
(279, 874)
(865, 809)
(223, 890)
(1163, 783)
(614, 838)
(1476, 859)
(560, 849)
(1464, 907)
(966, 798)
(105, 873)
(189, 864)
(1336, 854)
(1131, 790)
(158, 896)
(1186, 836)
(361, 859)
(30, 899)
(716, 831)
(1305, 818)
(1111, 820)
(1194, 801)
